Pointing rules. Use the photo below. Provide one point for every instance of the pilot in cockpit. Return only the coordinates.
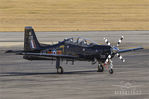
(82, 42)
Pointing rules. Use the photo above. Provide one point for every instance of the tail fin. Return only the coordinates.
(30, 41)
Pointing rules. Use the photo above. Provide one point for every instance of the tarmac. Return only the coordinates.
(23, 79)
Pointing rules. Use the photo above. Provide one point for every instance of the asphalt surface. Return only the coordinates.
(22, 79)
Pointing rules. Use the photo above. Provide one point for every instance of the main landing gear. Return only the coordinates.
(58, 67)
(60, 70)
(100, 68)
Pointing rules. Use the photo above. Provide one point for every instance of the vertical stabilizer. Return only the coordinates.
(30, 41)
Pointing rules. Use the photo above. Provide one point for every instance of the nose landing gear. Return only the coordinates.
(111, 67)
(108, 68)
(111, 71)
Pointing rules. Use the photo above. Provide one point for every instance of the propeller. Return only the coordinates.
(108, 59)
(120, 57)
(115, 50)
(107, 42)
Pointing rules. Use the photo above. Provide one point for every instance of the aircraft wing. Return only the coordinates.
(127, 50)
(47, 55)
(21, 52)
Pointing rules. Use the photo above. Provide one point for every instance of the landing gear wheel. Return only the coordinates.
(100, 68)
(111, 71)
(60, 70)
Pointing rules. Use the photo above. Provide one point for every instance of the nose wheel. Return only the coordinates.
(111, 71)
(60, 70)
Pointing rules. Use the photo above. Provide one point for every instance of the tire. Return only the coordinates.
(60, 70)
(111, 71)
(100, 68)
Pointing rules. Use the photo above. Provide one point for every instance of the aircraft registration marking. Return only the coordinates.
(58, 52)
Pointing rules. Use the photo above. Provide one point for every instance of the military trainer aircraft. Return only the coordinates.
(71, 49)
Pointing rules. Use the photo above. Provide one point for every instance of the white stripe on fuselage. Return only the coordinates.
(32, 43)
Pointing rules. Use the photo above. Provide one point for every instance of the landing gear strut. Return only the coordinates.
(58, 67)
(100, 68)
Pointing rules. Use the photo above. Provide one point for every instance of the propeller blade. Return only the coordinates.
(107, 42)
(120, 57)
(120, 40)
(106, 61)
(108, 58)
(110, 62)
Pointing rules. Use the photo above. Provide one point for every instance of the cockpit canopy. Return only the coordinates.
(80, 41)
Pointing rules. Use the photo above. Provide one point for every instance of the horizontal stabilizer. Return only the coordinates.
(14, 51)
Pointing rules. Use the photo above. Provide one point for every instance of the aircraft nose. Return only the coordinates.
(115, 49)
